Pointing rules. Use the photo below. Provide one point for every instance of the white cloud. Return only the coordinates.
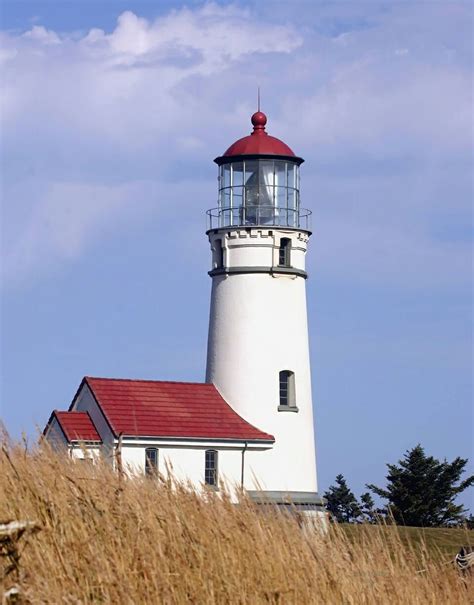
(65, 219)
(88, 119)
(40, 34)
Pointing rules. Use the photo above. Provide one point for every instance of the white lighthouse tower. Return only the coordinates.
(258, 351)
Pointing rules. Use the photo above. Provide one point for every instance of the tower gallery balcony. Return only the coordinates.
(262, 215)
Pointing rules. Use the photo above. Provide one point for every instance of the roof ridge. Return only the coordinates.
(209, 384)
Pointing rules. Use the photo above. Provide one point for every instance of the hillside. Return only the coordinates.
(102, 538)
(439, 542)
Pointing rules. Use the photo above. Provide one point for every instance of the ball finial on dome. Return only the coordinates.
(259, 119)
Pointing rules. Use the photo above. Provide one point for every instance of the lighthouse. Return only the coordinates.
(250, 425)
(258, 350)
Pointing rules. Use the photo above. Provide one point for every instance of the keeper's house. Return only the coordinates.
(183, 426)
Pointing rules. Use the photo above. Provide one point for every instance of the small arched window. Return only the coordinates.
(218, 254)
(287, 389)
(284, 252)
(210, 468)
(151, 462)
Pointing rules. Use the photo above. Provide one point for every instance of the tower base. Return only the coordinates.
(299, 501)
(309, 507)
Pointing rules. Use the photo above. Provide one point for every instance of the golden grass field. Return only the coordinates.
(107, 539)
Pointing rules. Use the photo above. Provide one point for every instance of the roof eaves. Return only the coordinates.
(271, 438)
(86, 441)
(246, 421)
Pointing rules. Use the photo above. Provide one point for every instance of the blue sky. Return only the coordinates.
(111, 116)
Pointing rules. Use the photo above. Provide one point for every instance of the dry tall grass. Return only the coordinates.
(109, 540)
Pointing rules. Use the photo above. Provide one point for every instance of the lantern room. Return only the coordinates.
(259, 183)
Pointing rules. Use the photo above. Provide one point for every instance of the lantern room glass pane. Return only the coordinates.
(251, 176)
(280, 173)
(238, 174)
(250, 213)
(292, 175)
(266, 183)
(226, 176)
(259, 192)
(225, 198)
(280, 197)
(292, 198)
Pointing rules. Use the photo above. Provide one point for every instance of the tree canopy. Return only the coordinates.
(341, 502)
(421, 490)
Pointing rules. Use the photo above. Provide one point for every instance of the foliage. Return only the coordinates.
(367, 508)
(341, 502)
(421, 490)
(345, 508)
(469, 521)
(105, 538)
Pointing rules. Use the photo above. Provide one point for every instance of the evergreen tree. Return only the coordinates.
(421, 490)
(367, 508)
(469, 521)
(341, 502)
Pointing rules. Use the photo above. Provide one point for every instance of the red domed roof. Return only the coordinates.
(259, 142)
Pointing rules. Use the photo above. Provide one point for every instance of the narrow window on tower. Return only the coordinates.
(219, 253)
(284, 252)
(210, 468)
(287, 391)
(151, 462)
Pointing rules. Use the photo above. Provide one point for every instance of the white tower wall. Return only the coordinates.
(258, 327)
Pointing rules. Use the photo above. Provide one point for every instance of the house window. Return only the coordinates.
(284, 252)
(151, 462)
(210, 469)
(287, 389)
(219, 253)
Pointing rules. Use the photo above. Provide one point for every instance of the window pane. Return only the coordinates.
(284, 388)
(284, 252)
(292, 218)
(226, 198)
(251, 188)
(251, 169)
(292, 198)
(238, 197)
(238, 176)
(280, 173)
(151, 461)
(220, 178)
(292, 175)
(287, 388)
(226, 179)
(280, 195)
(266, 183)
(210, 468)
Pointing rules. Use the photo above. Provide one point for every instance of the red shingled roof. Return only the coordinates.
(77, 426)
(150, 408)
